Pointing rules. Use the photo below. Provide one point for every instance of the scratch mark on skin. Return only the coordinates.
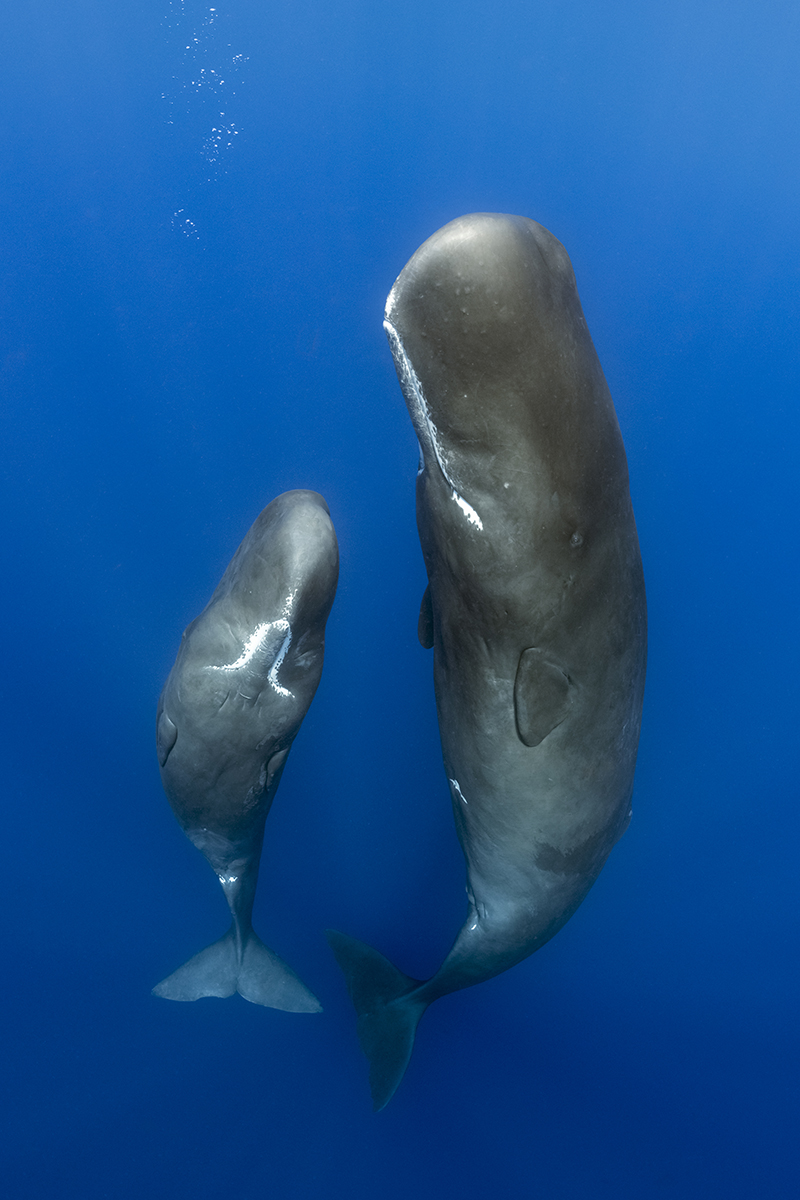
(454, 784)
(479, 910)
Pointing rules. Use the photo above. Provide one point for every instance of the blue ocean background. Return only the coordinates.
(201, 213)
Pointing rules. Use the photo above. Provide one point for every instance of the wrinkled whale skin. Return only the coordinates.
(535, 608)
(244, 677)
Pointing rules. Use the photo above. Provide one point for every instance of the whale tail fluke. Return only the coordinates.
(388, 1012)
(265, 979)
(259, 975)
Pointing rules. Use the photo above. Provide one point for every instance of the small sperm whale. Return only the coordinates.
(535, 606)
(245, 675)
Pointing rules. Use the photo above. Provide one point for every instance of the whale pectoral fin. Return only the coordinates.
(166, 737)
(541, 696)
(425, 623)
(275, 767)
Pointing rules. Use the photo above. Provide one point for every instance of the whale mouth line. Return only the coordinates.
(415, 397)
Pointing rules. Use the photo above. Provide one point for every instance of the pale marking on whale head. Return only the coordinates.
(391, 300)
(256, 641)
(412, 387)
(253, 645)
(272, 674)
(468, 510)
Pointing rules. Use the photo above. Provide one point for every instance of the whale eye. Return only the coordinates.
(576, 539)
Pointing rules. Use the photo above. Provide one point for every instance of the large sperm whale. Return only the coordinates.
(535, 606)
(245, 675)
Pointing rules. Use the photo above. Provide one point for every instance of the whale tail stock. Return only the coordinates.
(254, 972)
(388, 1011)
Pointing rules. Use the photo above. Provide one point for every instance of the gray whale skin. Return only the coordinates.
(245, 675)
(535, 607)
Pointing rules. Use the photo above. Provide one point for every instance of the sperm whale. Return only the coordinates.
(244, 677)
(535, 606)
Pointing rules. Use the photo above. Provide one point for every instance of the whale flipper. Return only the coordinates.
(258, 975)
(388, 1012)
(541, 697)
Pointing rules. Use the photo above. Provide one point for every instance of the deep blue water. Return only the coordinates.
(193, 275)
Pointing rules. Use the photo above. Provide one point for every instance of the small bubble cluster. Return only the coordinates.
(209, 72)
(186, 226)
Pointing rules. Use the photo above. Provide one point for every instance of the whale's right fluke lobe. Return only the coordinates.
(388, 1012)
(256, 973)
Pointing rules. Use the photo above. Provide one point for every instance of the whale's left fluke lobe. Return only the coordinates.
(245, 675)
(388, 1008)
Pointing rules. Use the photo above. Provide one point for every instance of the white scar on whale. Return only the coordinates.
(255, 643)
(412, 383)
